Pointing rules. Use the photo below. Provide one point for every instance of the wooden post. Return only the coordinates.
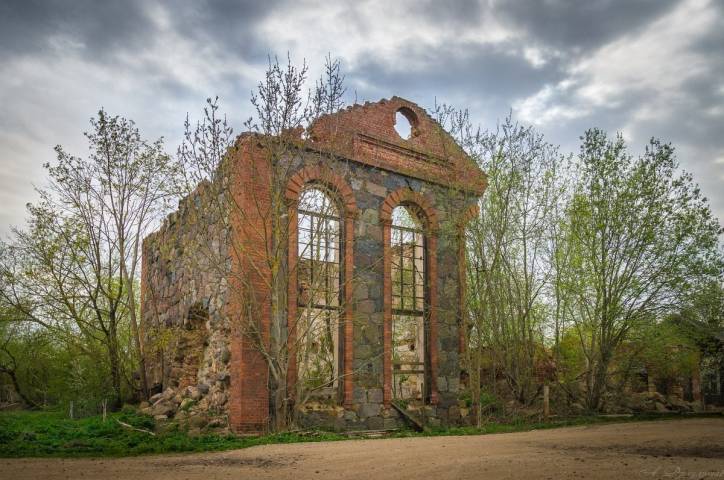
(546, 405)
(71, 409)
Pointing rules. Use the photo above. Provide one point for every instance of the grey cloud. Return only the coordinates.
(451, 14)
(229, 25)
(712, 44)
(580, 25)
(29, 26)
(469, 70)
(103, 29)
(489, 78)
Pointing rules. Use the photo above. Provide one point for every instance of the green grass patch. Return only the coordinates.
(52, 434)
(522, 425)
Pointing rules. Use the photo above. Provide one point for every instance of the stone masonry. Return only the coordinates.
(192, 350)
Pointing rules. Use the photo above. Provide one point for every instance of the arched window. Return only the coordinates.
(319, 291)
(409, 300)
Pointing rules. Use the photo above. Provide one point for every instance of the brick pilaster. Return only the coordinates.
(249, 302)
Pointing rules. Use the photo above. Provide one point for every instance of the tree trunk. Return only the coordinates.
(597, 384)
(475, 384)
(115, 364)
(138, 344)
(16, 386)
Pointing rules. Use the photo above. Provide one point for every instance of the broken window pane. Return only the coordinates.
(408, 305)
(318, 278)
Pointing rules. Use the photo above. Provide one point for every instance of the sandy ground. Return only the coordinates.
(665, 449)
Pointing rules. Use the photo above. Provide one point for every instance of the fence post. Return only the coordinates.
(546, 405)
(71, 409)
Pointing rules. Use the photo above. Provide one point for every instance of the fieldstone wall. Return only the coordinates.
(185, 328)
(371, 186)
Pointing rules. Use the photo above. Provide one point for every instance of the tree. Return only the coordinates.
(10, 365)
(702, 316)
(74, 270)
(640, 237)
(45, 276)
(57, 279)
(509, 250)
(116, 195)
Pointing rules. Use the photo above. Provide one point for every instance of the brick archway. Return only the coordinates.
(408, 197)
(341, 192)
(338, 187)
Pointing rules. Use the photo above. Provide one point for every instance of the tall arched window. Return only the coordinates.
(319, 287)
(409, 300)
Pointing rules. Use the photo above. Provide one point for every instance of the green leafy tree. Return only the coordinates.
(73, 270)
(55, 281)
(116, 196)
(640, 237)
(509, 251)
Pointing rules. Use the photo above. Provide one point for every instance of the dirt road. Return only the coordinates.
(665, 449)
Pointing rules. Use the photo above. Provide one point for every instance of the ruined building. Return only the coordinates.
(367, 311)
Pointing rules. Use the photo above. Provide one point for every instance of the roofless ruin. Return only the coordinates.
(322, 271)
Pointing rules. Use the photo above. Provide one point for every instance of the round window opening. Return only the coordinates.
(404, 122)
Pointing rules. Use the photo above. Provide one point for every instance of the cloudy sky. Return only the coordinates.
(643, 67)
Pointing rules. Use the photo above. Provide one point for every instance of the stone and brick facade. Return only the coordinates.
(190, 309)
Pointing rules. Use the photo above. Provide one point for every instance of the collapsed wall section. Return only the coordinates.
(183, 297)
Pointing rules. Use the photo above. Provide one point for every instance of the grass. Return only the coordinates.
(52, 434)
(522, 425)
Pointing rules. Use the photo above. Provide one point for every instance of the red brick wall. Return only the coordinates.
(366, 133)
(249, 302)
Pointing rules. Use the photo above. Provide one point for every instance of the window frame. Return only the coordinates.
(343, 194)
(337, 251)
(397, 254)
(427, 214)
